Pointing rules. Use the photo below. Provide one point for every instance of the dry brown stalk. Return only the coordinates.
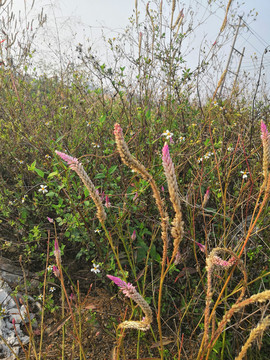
(261, 297)
(135, 165)
(254, 334)
(177, 223)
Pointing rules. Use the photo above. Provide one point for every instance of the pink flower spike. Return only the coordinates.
(201, 246)
(135, 196)
(107, 202)
(133, 236)
(117, 129)
(265, 133)
(162, 188)
(165, 152)
(117, 281)
(127, 288)
(13, 322)
(56, 246)
(69, 159)
(50, 219)
(57, 253)
(56, 271)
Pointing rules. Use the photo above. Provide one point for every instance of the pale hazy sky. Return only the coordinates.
(82, 19)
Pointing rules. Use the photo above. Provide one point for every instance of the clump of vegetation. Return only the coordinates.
(157, 189)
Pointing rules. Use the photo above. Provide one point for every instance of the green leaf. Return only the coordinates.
(59, 139)
(53, 174)
(39, 172)
(102, 119)
(100, 176)
(112, 169)
(51, 194)
(32, 166)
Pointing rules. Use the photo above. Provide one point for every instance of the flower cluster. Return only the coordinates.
(206, 156)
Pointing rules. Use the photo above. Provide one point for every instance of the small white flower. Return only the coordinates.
(48, 123)
(95, 145)
(167, 134)
(40, 297)
(208, 154)
(50, 268)
(3, 310)
(88, 123)
(182, 139)
(200, 160)
(95, 268)
(230, 148)
(47, 156)
(24, 198)
(20, 161)
(10, 202)
(43, 189)
(244, 174)
(98, 231)
(52, 289)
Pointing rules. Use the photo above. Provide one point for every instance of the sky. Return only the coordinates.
(86, 21)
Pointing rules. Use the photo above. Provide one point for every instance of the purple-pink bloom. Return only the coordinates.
(127, 288)
(206, 197)
(107, 202)
(162, 188)
(57, 252)
(117, 281)
(50, 219)
(69, 159)
(201, 246)
(264, 131)
(223, 263)
(133, 236)
(56, 271)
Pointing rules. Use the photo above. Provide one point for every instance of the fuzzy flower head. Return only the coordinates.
(264, 131)
(201, 246)
(56, 271)
(57, 253)
(107, 202)
(166, 158)
(127, 288)
(206, 197)
(69, 159)
(133, 236)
